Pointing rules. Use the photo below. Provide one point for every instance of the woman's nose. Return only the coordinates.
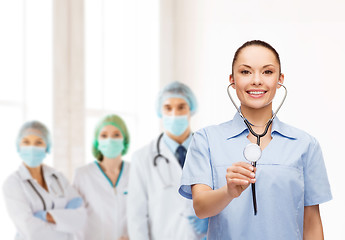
(257, 79)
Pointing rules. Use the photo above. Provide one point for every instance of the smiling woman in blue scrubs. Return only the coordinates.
(103, 183)
(290, 178)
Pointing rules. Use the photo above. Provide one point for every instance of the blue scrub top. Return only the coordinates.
(291, 174)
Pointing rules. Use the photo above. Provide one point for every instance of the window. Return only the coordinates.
(25, 79)
(122, 66)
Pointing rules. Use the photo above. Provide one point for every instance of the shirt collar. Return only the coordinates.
(237, 127)
(25, 174)
(172, 145)
(282, 129)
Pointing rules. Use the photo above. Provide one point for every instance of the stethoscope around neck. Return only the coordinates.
(252, 152)
(249, 125)
(158, 158)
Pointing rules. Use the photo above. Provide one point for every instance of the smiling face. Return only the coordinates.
(256, 74)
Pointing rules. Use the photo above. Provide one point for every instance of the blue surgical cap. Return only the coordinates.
(176, 90)
(34, 128)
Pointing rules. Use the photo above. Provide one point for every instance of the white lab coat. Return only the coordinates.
(106, 205)
(22, 202)
(156, 210)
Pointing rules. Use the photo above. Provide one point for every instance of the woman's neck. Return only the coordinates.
(111, 164)
(257, 117)
(35, 172)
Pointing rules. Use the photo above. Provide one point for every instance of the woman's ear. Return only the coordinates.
(281, 79)
(232, 81)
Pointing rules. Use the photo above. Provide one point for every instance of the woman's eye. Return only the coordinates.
(116, 135)
(181, 107)
(268, 72)
(245, 72)
(103, 135)
(167, 108)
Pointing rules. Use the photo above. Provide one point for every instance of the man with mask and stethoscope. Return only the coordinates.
(155, 209)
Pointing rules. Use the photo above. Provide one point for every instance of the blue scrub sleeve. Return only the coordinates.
(316, 186)
(197, 168)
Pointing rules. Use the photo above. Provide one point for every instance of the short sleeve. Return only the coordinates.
(316, 186)
(197, 167)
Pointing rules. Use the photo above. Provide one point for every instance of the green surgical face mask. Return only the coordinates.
(110, 147)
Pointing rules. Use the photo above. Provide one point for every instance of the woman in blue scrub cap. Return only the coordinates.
(103, 183)
(290, 177)
(156, 210)
(39, 199)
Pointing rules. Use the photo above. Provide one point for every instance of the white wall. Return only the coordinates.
(309, 37)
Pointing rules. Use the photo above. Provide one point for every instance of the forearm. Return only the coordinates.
(313, 233)
(210, 202)
(312, 227)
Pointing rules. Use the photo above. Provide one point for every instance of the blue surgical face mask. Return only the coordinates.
(110, 147)
(32, 156)
(176, 125)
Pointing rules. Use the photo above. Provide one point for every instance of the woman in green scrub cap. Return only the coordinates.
(103, 183)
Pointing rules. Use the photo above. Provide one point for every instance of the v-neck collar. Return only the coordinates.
(108, 179)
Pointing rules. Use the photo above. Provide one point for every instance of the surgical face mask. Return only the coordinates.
(176, 125)
(110, 147)
(32, 156)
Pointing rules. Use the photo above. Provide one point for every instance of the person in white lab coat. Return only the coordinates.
(40, 201)
(155, 209)
(103, 183)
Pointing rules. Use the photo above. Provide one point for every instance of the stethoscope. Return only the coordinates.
(40, 196)
(155, 164)
(252, 152)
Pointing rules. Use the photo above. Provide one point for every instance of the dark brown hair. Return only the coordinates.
(255, 43)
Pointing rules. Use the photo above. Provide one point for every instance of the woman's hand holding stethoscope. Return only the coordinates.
(238, 177)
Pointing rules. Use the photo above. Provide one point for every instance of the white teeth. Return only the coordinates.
(256, 92)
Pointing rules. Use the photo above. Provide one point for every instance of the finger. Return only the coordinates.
(240, 181)
(244, 165)
(233, 175)
(241, 170)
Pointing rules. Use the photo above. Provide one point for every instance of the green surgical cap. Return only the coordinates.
(176, 90)
(117, 122)
(34, 128)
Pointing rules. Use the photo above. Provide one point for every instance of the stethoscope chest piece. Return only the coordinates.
(252, 152)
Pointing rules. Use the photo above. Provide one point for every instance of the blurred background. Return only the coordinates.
(67, 63)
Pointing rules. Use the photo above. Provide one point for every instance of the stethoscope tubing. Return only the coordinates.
(40, 196)
(158, 155)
